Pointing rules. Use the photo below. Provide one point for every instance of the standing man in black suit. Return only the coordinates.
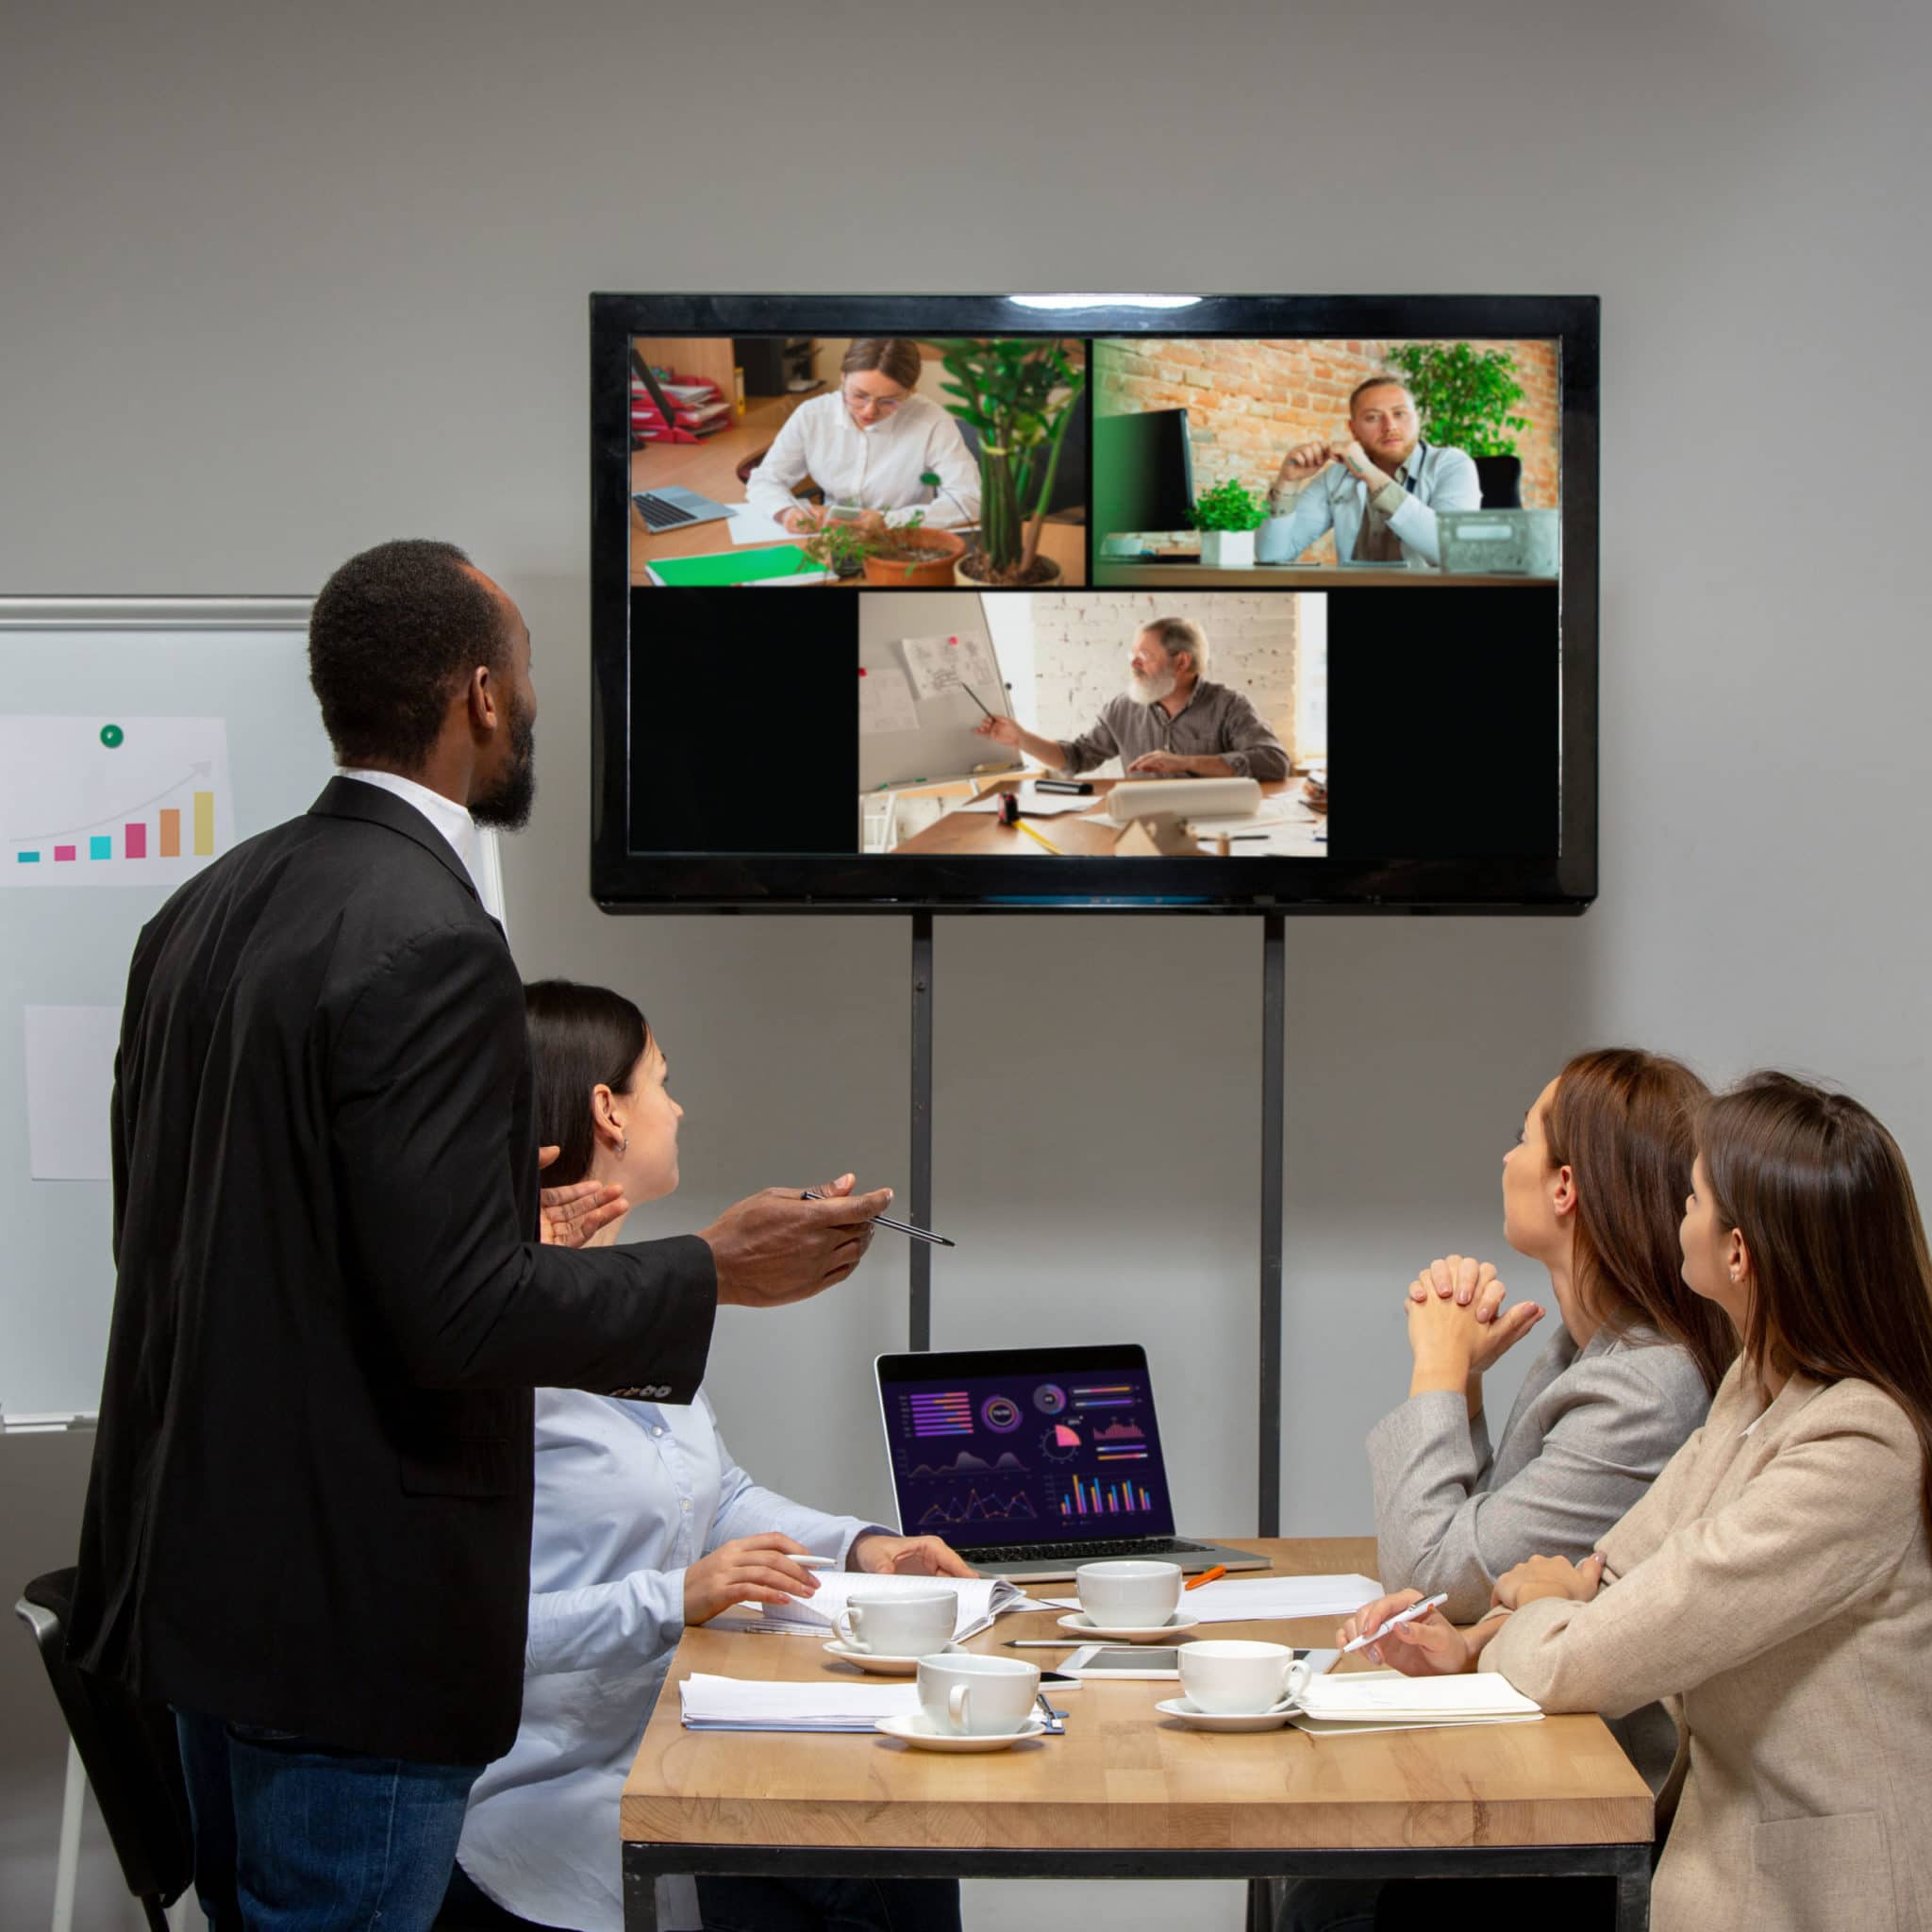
(308, 1528)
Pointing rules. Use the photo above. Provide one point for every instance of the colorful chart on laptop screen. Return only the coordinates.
(1036, 1458)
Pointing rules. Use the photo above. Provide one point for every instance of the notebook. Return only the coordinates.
(1349, 1702)
(981, 1599)
(786, 562)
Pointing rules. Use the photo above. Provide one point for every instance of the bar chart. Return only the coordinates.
(1087, 1497)
(122, 801)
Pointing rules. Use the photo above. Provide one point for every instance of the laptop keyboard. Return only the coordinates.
(1082, 1552)
(660, 515)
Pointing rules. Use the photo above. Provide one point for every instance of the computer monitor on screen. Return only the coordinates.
(1143, 473)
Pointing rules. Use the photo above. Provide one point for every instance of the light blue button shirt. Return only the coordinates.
(628, 1496)
(1436, 478)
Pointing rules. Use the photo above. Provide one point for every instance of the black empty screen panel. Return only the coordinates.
(744, 721)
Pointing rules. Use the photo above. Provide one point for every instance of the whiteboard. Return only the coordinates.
(230, 672)
(905, 638)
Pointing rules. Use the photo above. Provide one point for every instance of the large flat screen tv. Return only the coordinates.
(878, 621)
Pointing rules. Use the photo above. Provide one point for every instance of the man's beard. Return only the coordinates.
(1150, 691)
(506, 806)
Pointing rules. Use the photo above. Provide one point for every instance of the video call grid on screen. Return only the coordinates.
(1046, 1455)
(822, 752)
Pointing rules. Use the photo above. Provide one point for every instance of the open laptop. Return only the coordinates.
(1032, 1461)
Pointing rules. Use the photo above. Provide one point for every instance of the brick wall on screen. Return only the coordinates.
(1081, 640)
(1248, 402)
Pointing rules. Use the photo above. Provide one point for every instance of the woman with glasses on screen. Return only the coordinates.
(867, 446)
(1774, 1586)
(643, 1525)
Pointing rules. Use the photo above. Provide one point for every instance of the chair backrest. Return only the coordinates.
(127, 1748)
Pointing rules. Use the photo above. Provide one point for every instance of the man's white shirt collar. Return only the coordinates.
(449, 818)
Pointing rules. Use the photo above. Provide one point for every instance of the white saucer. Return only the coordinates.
(1225, 1719)
(1082, 1625)
(918, 1730)
(882, 1663)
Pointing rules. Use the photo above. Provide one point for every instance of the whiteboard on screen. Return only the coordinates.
(928, 671)
(139, 739)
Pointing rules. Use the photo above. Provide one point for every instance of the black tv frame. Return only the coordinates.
(624, 881)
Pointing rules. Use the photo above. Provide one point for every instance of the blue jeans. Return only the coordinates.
(292, 1837)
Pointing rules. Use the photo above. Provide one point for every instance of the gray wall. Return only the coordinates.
(274, 285)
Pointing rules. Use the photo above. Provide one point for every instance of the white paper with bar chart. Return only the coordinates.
(111, 798)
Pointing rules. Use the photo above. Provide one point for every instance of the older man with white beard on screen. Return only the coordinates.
(1172, 721)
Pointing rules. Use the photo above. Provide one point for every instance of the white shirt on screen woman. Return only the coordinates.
(875, 468)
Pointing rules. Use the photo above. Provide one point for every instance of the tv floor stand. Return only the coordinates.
(1273, 1038)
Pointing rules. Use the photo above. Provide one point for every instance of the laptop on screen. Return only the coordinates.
(1032, 1461)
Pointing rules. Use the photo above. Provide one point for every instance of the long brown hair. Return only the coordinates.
(1841, 1280)
(1623, 1120)
(581, 1038)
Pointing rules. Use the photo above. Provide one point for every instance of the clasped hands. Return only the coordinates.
(1457, 1325)
(1431, 1646)
(759, 1569)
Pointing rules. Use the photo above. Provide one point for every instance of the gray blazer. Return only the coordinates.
(1591, 1431)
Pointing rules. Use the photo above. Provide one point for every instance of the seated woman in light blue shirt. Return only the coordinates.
(643, 1525)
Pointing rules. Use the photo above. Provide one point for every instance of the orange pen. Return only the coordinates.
(1205, 1576)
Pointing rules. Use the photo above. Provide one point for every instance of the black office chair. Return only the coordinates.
(129, 1752)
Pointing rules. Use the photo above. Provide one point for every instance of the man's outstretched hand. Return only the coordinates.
(776, 1247)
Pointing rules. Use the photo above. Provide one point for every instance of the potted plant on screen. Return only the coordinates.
(1465, 396)
(1017, 397)
(897, 557)
(1227, 517)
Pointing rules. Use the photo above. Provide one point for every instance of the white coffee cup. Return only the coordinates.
(974, 1696)
(1129, 1595)
(899, 1623)
(1229, 1673)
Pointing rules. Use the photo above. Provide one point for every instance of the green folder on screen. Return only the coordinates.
(735, 567)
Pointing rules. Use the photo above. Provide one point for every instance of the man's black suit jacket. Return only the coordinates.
(310, 1499)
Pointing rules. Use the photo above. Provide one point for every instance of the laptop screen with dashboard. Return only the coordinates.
(1025, 1445)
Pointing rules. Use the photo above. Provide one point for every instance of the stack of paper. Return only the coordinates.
(1270, 1599)
(735, 1703)
(1036, 804)
(981, 1599)
(1344, 1703)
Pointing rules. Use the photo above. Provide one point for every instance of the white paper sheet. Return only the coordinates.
(750, 524)
(740, 1704)
(69, 1078)
(112, 799)
(884, 701)
(1270, 1599)
(958, 662)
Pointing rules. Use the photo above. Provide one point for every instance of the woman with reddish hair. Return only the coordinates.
(1775, 1587)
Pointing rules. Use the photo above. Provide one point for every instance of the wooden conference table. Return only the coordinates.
(711, 467)
(1079, 835)
(1126, 1792)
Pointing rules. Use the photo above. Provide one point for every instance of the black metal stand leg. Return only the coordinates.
(639, 1899)
(1262, 1904)
(1633, 1891)
(918, 1317)
(1273, 1041)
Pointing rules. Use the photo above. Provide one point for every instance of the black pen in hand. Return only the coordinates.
(918, 1234)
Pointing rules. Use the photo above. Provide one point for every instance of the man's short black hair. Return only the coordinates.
(394, 635)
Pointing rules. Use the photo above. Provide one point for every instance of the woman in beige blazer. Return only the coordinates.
(1775, 1586)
